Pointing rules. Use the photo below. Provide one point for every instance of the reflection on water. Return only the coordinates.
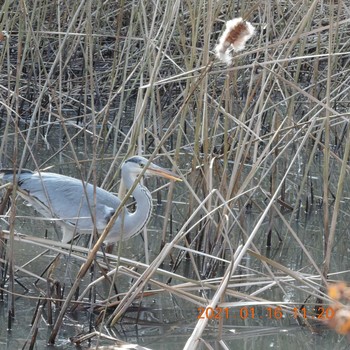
(165, 321)
(169, 328)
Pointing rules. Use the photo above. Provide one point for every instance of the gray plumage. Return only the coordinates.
(64, 198)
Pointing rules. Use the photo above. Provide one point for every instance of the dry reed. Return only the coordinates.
(261, 145)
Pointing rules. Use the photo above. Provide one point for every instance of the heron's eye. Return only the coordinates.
(142, 165)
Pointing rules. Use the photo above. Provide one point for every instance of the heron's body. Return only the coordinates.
(67, 199)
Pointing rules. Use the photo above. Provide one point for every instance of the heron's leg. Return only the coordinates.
(108, 249)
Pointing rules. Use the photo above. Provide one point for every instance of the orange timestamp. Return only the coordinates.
(277, 313)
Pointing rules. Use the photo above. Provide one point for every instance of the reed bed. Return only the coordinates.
(261, 144)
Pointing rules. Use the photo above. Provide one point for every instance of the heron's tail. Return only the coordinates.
(6, 175)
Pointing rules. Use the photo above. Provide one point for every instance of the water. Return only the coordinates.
(164, 320)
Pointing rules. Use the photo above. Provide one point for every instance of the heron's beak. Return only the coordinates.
(159, 171)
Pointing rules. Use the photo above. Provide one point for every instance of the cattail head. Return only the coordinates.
(3, 36)
(236, 34)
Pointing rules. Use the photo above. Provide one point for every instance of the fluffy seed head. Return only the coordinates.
(236, 34)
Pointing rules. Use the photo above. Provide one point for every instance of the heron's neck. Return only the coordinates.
(134, 222)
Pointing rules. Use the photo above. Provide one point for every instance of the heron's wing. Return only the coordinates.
(64, 197)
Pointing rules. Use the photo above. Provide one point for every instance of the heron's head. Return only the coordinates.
(135, 165)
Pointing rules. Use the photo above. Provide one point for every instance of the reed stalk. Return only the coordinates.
(260, 141)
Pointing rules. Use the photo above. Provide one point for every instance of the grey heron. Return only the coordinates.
(70, 201)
